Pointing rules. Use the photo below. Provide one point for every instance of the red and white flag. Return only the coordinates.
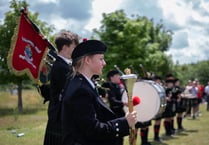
(28, 47)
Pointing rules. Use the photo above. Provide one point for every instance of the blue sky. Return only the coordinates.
(188, 19)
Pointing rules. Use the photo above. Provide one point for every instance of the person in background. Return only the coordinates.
(194, 104)
(168, 113)
(158, 119)
(65, 42)
(180, 107)
(98, 81)
(114, 94)
(144, 126)
(207, 95)
(86, 119)
(188, 98)
(199, 95)
(144, 131)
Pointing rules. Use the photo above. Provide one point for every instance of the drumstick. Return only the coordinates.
(118, 69)
(143, 70)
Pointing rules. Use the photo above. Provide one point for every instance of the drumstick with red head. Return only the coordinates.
(136, 100)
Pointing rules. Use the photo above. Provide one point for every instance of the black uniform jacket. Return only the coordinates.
(115, 98)
(59, 73)
(86, 119)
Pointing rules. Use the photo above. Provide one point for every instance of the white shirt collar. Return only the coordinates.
(68, 61)
(90, 82)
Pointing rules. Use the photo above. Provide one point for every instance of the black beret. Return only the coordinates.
(88, 47)
(157, 78)
(176, 80)
(170, 81)
(112, 73)
(169, 75)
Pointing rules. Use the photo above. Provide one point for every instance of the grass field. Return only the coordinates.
(32, 122)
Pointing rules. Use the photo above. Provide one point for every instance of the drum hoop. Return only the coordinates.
(160, 92)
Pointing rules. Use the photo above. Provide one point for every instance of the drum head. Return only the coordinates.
(150, 101)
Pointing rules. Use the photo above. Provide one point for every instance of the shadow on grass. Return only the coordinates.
(165, 137)
(182, 134)
(14, 111)
(158, 143)
(191, 130)
(178, 134)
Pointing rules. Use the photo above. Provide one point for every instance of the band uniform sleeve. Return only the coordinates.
(92, 120)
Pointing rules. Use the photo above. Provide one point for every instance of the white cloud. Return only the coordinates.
(59, 22)
(196, 50)
(99, 7)
(204, 4)
(177, 12)
(192, 21)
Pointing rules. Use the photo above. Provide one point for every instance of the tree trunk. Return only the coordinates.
(19, 91)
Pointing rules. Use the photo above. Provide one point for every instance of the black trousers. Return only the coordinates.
(53, 134)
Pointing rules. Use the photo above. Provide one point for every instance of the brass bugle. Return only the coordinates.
(50, 58)
(130, 79)
(129, 76)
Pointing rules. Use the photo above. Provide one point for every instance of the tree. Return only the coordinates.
(202, 70)
(199, 70)
(6, 33)
(134, 41)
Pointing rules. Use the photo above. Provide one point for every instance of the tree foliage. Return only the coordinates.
(199, 70)
(134, 41)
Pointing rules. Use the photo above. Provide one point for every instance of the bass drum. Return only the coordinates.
(153, 100)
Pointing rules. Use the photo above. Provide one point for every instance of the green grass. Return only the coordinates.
(196, 132)
(32, 122)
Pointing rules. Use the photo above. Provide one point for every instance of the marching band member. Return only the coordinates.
(144, 131)
(114, 94)
(168, 113)
(144, 127)
(157, 123)
(65, 43)
(180, 108)
(86, 119)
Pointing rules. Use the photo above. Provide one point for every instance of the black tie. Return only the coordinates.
(96, 90)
